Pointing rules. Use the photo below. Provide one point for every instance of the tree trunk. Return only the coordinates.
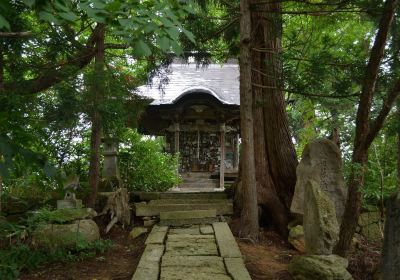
(365, 133)
(95, 137)
(249, 215)
(275, 156)
(398, 145)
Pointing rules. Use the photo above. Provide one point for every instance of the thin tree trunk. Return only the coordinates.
(95, 137)
(249, 215)
(364, 133)
(398, 142)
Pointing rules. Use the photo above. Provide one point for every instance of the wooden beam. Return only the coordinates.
(176, 142)
(236, 152)
(222, 157)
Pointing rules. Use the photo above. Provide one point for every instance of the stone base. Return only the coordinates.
(319, 267)
(65, 203)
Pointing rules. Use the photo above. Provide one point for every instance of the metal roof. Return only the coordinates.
(220, 81)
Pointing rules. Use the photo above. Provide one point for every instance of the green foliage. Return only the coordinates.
(144, 166)
(59, 216)
(21, 257)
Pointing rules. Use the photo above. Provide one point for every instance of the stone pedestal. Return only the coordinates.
(68, 203)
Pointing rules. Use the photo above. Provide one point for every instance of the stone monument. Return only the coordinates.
(320, 198)
(321, 162)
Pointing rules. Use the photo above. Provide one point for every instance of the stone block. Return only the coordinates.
(143, 209)
(226, 241)
(191, 273)
(149, 223)
(236, 269)
(152, 254)
(194, 214)
(69, 203)
(212, 264)
(188, 230)
(193, 237)
(188, 201)
(189, 248)
(137, 231)
(157, 235)
(319, 267)
(146, 273)
(206, 229)
(65, 235)
(187, 222)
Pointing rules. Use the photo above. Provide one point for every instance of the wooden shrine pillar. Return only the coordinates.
(176, 140)
(222, 157)
(236, 152)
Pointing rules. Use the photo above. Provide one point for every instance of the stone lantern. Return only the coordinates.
(110, 153)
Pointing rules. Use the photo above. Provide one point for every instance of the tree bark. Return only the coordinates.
(275, 156)
(249, 215)
(97, 92)
(364, 134)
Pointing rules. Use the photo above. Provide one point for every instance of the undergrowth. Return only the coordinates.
(21, 257)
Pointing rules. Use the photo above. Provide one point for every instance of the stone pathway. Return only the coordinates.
(198, 252)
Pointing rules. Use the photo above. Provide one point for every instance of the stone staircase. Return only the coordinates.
(184, 208)
(198, 181)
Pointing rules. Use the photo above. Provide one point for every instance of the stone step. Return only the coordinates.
(191, 214)
(199, 185)
(147, 209)
(196, 175)
(188, 201)
(194, 217)
(199, 180)
(147, 196)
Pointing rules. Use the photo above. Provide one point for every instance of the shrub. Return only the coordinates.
(143, 164)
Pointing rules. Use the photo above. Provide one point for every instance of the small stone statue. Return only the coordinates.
(70, 186)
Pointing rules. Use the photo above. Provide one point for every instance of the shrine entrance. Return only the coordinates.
(199, 126)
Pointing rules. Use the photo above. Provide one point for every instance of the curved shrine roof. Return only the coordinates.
(220, 81)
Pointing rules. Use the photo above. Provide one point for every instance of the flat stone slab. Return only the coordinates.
(147, 209)
(189, 201)
(226, 241)
(191, 248)
(146, 274)
(193, 195)
(191, 273)
(149, 264)
(186, 222)
(194, 214)
(189, 230)
(157, 235)
(236, 269)
(189, 237)
(212, 263)
(152, 253)
(206, 229)
(147, 196)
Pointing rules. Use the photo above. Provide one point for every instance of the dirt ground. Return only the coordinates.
(267, 260)
(117, 263)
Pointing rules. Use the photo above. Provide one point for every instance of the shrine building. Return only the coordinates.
(197, 111)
